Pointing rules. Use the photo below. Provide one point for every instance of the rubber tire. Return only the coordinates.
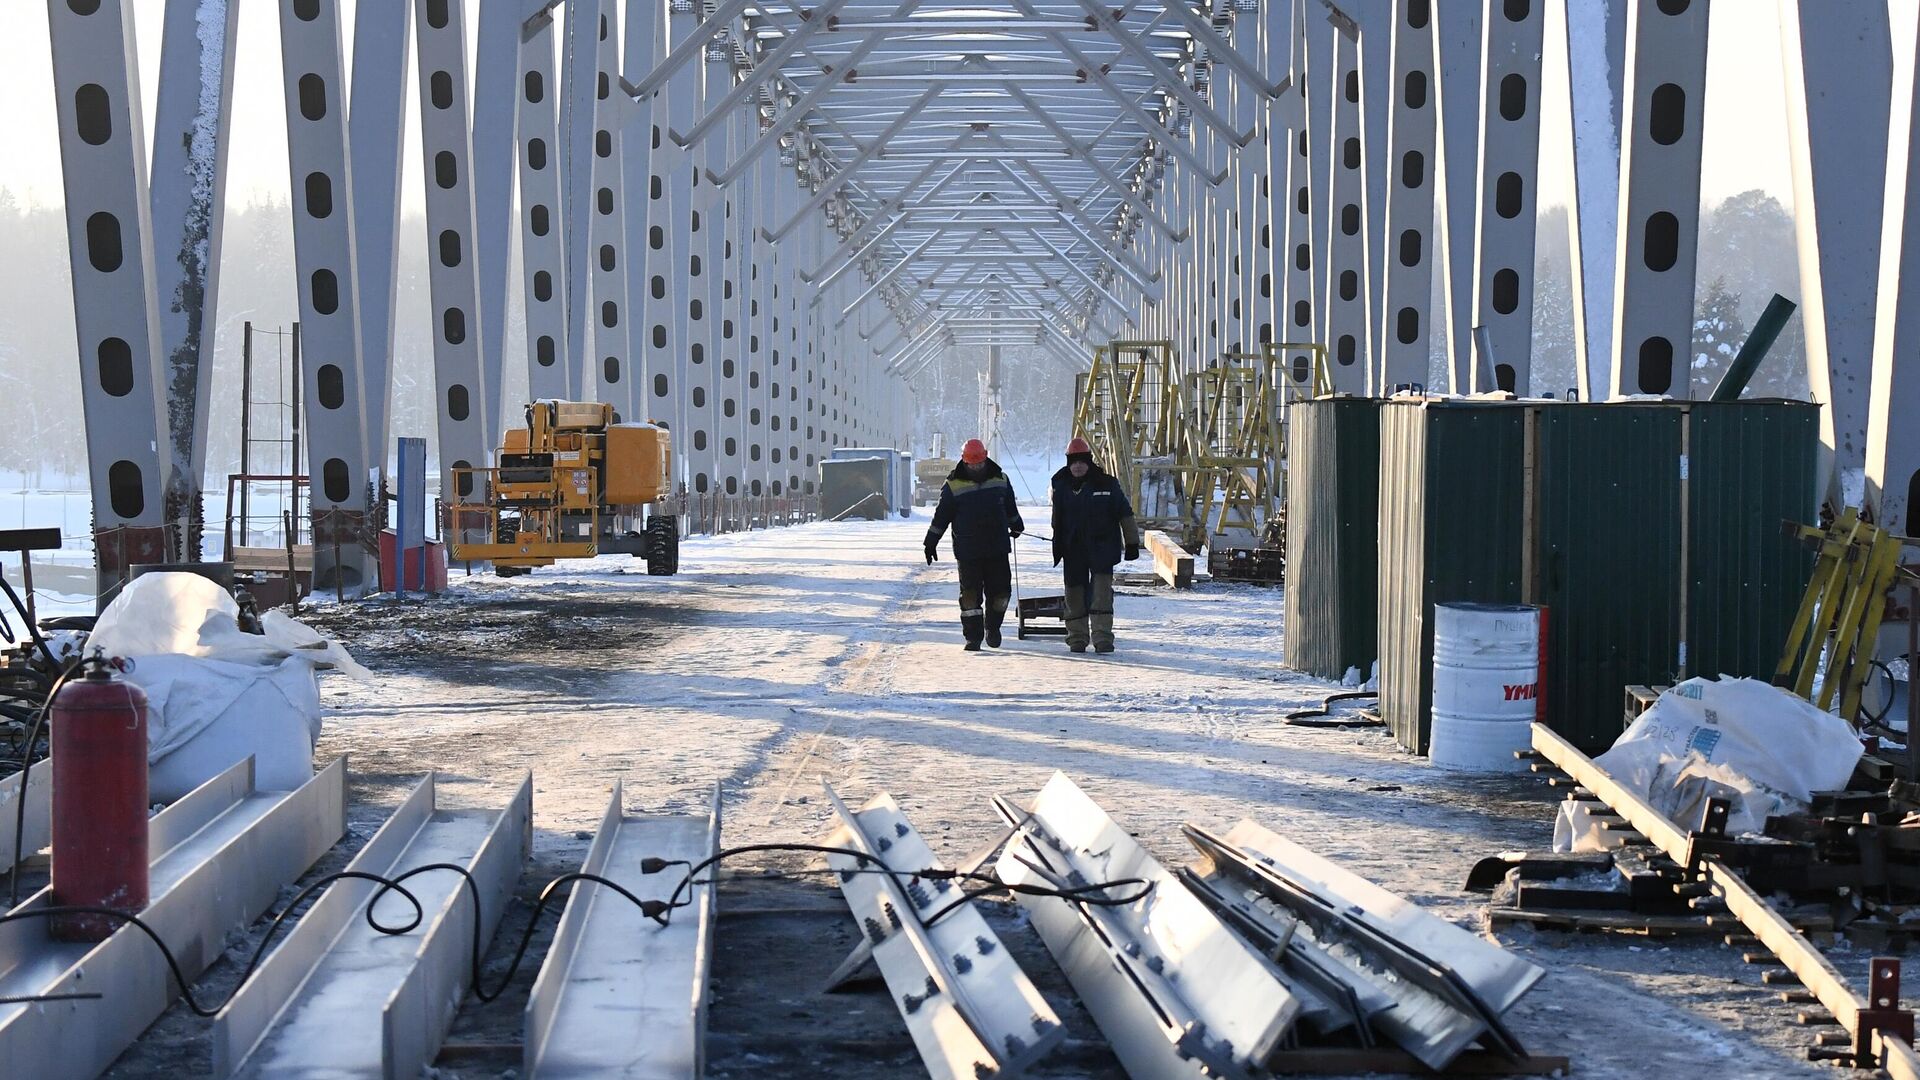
(663, 546)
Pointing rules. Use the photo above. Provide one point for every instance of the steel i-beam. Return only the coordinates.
(643, 29)
(1297, 185)
(221, 856)
(323, 243)
(1839, 81)
(192, 115)
(1376, 96)
(606, 229)
(1408, 273)
(376, 128)
(1660, 223)
(618, 994)
(1596, 78)
(1346, 304)
(1318, 49)
(110, 241)
(543, 253)
(1893, 438)
(725, 295)
(1457, 46)
(1509, 167)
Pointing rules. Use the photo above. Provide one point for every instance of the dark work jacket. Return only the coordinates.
(982, 513)
(1092, 519)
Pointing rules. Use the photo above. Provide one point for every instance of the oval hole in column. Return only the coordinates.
(1667, 116)
(440, 88)
(1413, 170)
(610, 314)
(1353, 86)
(609, 259)
(1410, 245)
(1302, 257)
(458, 406)
(1513, 96)
(1674, 7)
(543, 350)
(1302, 313)
(453, 326)
(306, 10)
(603, 143)
(659, 386)
(536, 154)
(694, 309)
(659, 336)
(116, 366)
(446, 171)
(699, 437)
(1504, 377)
(1415, 94)
(125, 490)
(610, 368)
(449, 247)
(465, 483)
(1506, 290)
(1661, 244)
(334, 481)
(1509, 195)
(319, 189)
(1656, 366)
(602, 87)
(1408, 329)
(325, 290)
(1349, 285)
(331, 385)
(542, 286)
(603, 201)
(1517, 10)
(93, 114)
(658, 287)
(313, 97)
(437, 14)
(1350, 219)
(1350, 153)
(537, 220)
(103, 243)
(534, 86)
(1266, 286)
(1347, 351)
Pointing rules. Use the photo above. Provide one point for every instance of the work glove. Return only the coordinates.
(1015, 532)
(933, 552)
(1132, 553)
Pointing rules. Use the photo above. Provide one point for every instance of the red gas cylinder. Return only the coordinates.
(99, 801)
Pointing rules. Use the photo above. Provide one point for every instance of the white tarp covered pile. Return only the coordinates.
(1762, 748)
(214, 692)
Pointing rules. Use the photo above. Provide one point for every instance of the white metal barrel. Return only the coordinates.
(1486, 684)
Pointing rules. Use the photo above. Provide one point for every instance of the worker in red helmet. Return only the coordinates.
(977, 501)
(1093, 528)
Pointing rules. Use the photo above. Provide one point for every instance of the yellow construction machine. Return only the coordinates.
(574, 483)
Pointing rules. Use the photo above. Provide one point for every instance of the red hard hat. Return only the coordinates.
(974, 452)
(1078, 446)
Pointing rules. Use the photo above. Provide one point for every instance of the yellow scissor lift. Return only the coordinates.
(574, 483)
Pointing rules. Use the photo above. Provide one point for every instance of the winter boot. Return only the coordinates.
(996, 614)
(972, 626)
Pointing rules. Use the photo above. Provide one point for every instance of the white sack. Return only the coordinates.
(216, 694)
(1762, 748)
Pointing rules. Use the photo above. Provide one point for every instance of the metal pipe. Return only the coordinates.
(1754, 349)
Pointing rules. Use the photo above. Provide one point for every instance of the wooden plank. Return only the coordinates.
(1171, 562)
(273, 559)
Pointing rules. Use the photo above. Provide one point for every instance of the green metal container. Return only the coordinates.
(1333, 559)
(1451, 499)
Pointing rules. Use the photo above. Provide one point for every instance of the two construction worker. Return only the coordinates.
(1093, 529)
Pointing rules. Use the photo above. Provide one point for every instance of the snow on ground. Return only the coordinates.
(779, 658)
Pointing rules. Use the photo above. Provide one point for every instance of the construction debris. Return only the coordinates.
(971, 1010)
(1262, 958)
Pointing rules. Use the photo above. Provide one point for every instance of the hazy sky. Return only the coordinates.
(1746, 145)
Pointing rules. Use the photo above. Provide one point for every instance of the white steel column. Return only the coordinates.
(606, 229)
(1893, 436)
(452, 278)
(643, 29)
(103, 147)
(1457, 47)
(1596, 81)
(1376, 95)
(192, 115)
(543, 252)
(1504, 217)
(1408, 274)
(376, 128)
(1659, 197)
(497, 90)
(580, 76)
(710, 245)
(1322, 90)
(1346, 303)
(1839, 80)
(331, 372)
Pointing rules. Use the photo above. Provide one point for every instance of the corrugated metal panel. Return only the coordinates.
(1333, 501)
(1606, 538)
(1451, 505)
(1752, 466)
